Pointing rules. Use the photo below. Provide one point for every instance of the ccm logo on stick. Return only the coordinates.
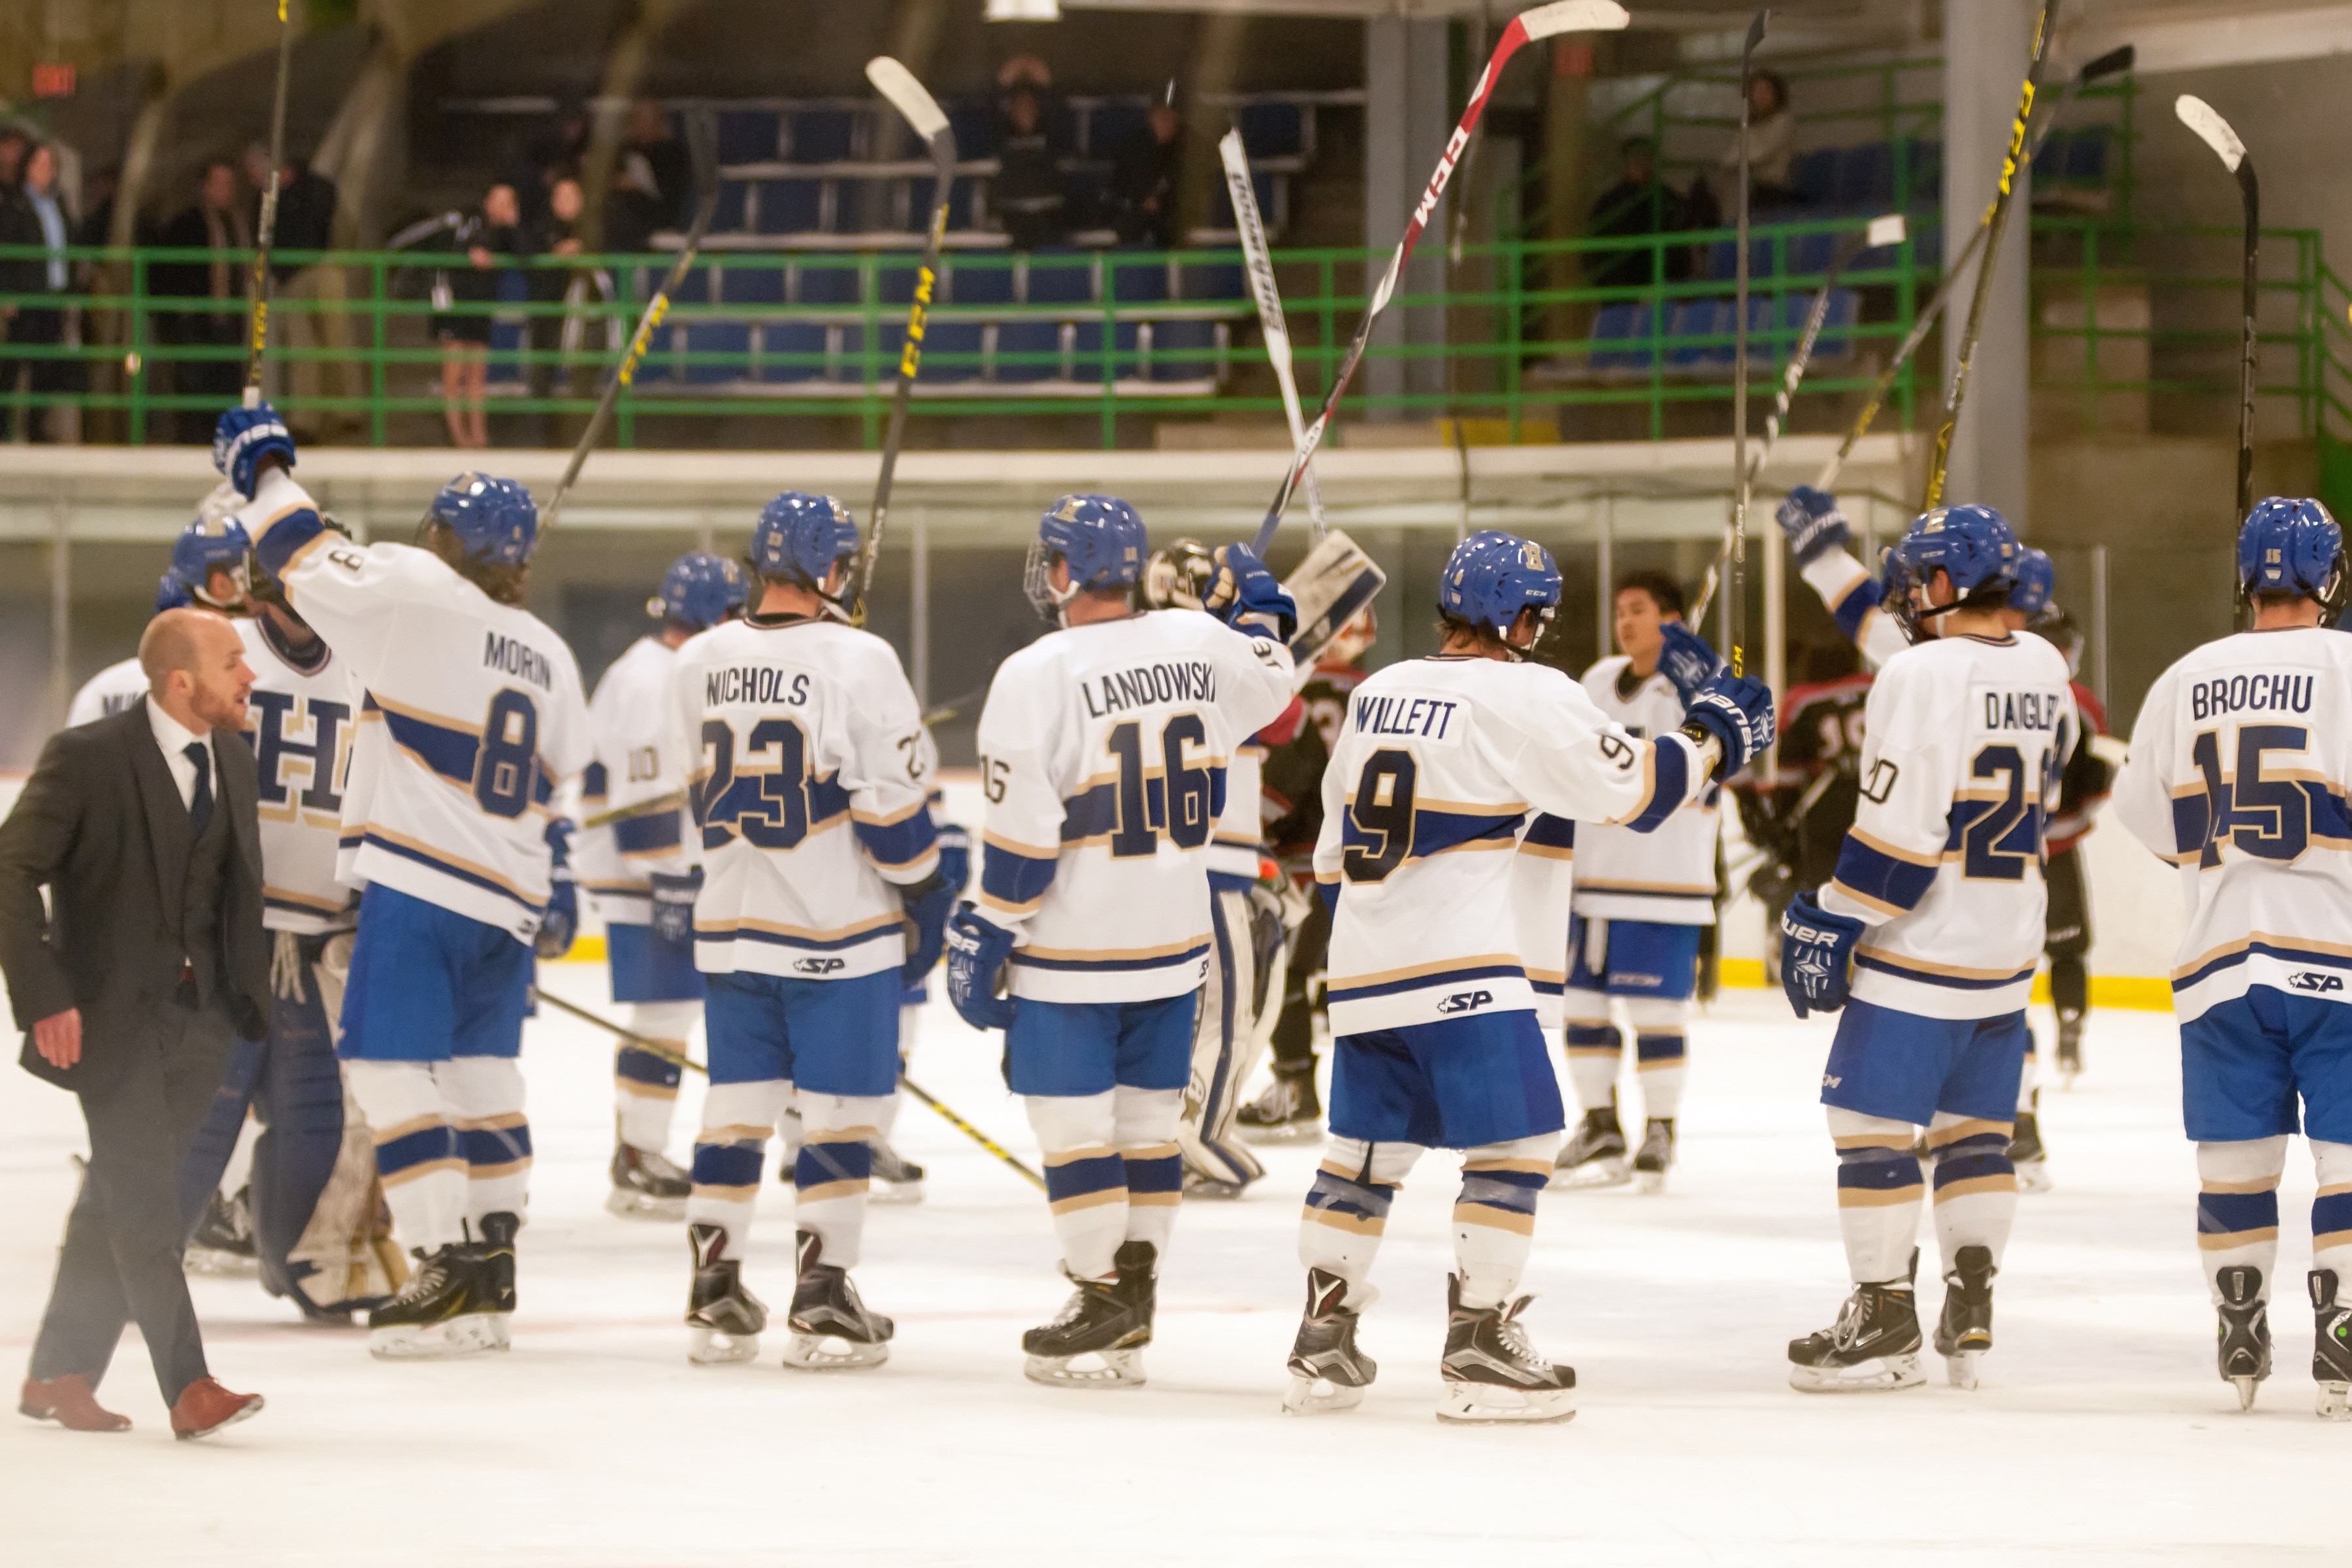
(1465, 1001)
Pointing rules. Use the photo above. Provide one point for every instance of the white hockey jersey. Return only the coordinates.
(1238, 843)
(1543, 890)
(1425, 811)
(1666, 876)
(107, 693)
(2239, 771)
(812, 774)
(1965, 738)
(472, 715)
(1105, 751)
(1849, 593)
(302, 723)
(633, 817)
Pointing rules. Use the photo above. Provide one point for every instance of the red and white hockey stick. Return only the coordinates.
(1543, 21)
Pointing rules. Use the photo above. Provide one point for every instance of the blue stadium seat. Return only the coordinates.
(790, 206)
(752, 281)
(1815, 174)
(974, 125)
(1813, 253)
(1090, 360)
(1058, 277)
(894, 275)
(1723, 258)
(1627, 324)
(1926, 171)
(1269, 207)
(2087, 155)
(981, 280)
(729, 218)
(826, 282)
(1137, 283)
(851, 367)
(1211, 281)
(1273, 130)
(1866, 175)
(750, 135)
(824, 136)
(1184, 351)
(729, 339)
(920, 191)
(951, 351)
(1693, 320)
(1108, 124)
(1836, 341)
(1028, 349)
(792, 350)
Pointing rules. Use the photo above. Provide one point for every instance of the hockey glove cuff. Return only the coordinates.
(1813, 523)
(674, 896)
(1686, 660)
(560, 923)
(1816, 955)
(978, 952)
(1246, 596)
(955, 860)
(243, 438)
(1737, 713)
(927, 904)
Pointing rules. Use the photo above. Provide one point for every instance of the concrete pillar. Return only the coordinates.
(1406, 122)
(1985, 53)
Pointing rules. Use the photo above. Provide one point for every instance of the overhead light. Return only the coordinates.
(1022, 11)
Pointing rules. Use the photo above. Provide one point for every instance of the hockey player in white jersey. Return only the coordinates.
(1436, 770)
(2239, 771)
(1927, 938)
(817, 858)
(1642, 901)
(1104, 747)
(1818, 536)
(473, 717)
(635, 823)
(207, 568)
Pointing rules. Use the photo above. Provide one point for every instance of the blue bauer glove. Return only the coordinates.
(978, 952)
(560, 923)
(1814, 524)
(1686, 660)
(1738, 713)
(926, 904)
(1816, 955)
(955, 858)
(674, 896)
(1247, 598)
(242, 438)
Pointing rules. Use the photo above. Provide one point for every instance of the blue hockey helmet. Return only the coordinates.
(1492, 576)
(2291, 546)
(170, 593)
(207, 545)
(1972, 546)
(2037, 582)
(798, 539)
(1101, 538)
(494, 520)
(700, 590)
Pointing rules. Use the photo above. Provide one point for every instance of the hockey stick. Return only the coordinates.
(921, 111)
(653, 1047)
(2112, 63)
(1453, 362)
(1734, 608)
(2215, 132)
(1258, 259)
(1939, 456)
(1543, 21)
(258, 339)
(701, 137)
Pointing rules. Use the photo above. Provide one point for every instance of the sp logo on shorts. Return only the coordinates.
(819, 965)
(2312, 979)
(1465, 1001)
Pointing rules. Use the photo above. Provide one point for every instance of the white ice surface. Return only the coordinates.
(2101, 1432)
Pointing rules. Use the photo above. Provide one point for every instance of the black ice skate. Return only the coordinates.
(1097, 1340)
(1288, 1112)
(647, 1185)
(897, 1180)
(1595, 1154)
(832, 1330)
(2070, 1046)
(224, 1240)
(1327, 1371)
(1874, 1345)
(2026, 1152)
(1491, 1369)
(492, 1256)
(724, 1319)
(2243, 1351)
(2331, 1351)
(1655, 1156)
(1964, 1332)
(439, 1312)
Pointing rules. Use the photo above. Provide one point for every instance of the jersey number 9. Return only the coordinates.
(1381, 810)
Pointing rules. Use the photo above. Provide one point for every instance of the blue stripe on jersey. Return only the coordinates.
(899, 843)
(1011, 878)
(827, 799)
(651, 834)
(447, 868)
(595, 783)
(1670, 783)
(1424, 982)
(1549, 832)
(2331, 1216)
(805, 944)
(1093, 812)
(2267, 949)
(426, 1145)
(289, 534)
(1879, 876)
(1902, 971)
(1435, 832)
(1110, 965)
(448, 751)
(1849, 612)
(2196, 818)
(2230, 1213)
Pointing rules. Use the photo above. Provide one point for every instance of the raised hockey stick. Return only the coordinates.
(702, 139)
(2215, 132)
(257, 337)
(1257, 260)
(921, 111)
(1543, 21)
(1734, 608)
(2114, 62)
(1939, 456)
(653, 1047)
(1453, 362)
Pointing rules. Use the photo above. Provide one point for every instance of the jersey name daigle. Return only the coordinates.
(2239, 773)
(633, 818)
(1428, 803)
(1104, 756)
(301, 725)
(1965, 740)
(107, 693)
(1667, 875)
(810, 778)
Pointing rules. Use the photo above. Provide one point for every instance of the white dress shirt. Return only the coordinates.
(172, 739)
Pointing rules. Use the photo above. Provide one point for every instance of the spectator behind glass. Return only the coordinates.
(306, 208)
(491, 241)
(34, 214)
(666, 161)
(215, 223)
(556, 235)
(1143, 173)
(1029, 198)
(1639, 204)
(12, 146)
(1771, 144)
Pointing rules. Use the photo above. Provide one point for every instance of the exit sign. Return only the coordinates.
(55, 80)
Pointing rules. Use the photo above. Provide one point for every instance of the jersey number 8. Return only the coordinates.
(507, 759)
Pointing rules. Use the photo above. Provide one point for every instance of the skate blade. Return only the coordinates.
(2033, 1176)
(630, 1204)
(1319, 1396)
(469, 1335)
(213, 1262)
(1591, 1176)
(1294, 1132)
(2245, 1387)
(1880, 1373)
(2335, 1402)
(830, 1352)
(1478, 1403)
(1650, 1182)
(714, 1347)
(1111, 1368)
(1960, 1368)
(902, 1194)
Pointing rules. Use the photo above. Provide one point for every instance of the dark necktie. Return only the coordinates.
(199, 804)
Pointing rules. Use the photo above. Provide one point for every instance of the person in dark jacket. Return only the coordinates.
(1144, 171)
(491, 241)
(1029, 196)
(37, 215)
(215, 223)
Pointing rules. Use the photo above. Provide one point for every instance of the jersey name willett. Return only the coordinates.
(2230, 693)
(1188, 680)
(518, 660)
(1426, 717)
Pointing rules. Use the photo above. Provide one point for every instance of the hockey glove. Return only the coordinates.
(560, 923)
(1246, 596)
(955, 860)
(1686, 660)
(927, 904)
(1737, 713)
(674, 896)
(977, 951)
(1814, 525)
(1816, 955)
(242, 439)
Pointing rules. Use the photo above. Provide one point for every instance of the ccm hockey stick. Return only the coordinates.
(1258, 261)
(2113, 63)
(1543, 21)
(701, 142)
(257, 337)
(1939, 456)
(2215, 132)
(1734, 608)
(921, 111)
(653, 1047)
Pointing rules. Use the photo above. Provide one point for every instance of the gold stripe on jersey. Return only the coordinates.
(2231, 949)
(802, 933)
(1417, 971)
(1112, 954)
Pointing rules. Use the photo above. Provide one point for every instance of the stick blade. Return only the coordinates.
(2212, 130)
(1574, 17)
(908, 96)
(2115, 62)
(1756, 33)
(1888, 230)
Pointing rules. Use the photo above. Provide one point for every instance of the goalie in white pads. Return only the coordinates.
(1438, 767)
(1104, 749)
(2239, 771)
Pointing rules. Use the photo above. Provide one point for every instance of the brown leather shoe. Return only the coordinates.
(205, 1407)
(68, 1402)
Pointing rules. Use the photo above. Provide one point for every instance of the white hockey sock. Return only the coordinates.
(1145, 1125)
(2028, 1077)
(417, 1154)
(1592, 1045)
(644, 1087)
(485, 1099)
(835, 1169)
(1085, 1178)
(2237, 1206)
(239, 1169)
(1348, 1208)
(1879, 1194)
(1975, 1184)
(2331, 1212)
(1495, 1216)
(730, 1153)
(1661, 1054)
